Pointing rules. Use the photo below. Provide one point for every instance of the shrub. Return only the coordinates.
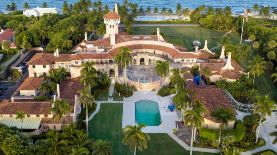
(166, 90)
(40, 98)
(238, 132)
(124, 90)
(209, 134)
(251, 122)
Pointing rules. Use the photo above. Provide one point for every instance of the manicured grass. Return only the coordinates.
(266, 152)
(107, 125)
(184, 36)
(102, 94)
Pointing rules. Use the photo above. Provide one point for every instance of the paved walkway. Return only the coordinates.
(111, 90)
(187, 147)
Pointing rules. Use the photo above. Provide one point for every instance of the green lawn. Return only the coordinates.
(266, 152)
(107, 125)
(184, 36)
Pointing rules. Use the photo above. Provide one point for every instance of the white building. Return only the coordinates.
(36, 12)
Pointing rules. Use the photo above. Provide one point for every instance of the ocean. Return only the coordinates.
(236, 5)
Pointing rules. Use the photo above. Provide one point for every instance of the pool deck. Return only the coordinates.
(168, 118)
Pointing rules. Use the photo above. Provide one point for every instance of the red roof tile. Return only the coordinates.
(31, 83)
(6, 34)
(112, 15)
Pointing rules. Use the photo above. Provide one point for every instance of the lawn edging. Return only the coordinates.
(197, 149)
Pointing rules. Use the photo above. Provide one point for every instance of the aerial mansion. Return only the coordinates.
(146, 50)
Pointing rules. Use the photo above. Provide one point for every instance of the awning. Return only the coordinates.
(28, 122)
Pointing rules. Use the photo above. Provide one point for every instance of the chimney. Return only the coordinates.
(196, 48)
(206, 45)
(58, 91)
(112, 39)
(57, 53)
(116, 8)
(54, 98)
(228, 65)
(158, 34)
(86, 36)
(222, 55)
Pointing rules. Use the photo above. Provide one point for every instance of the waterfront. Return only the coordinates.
(237, 5)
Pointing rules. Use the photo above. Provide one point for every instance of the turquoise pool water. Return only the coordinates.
(148, 113)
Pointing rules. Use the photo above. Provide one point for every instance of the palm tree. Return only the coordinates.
(194, 118)
(257, 67)
(263, 106)
(80, 141)
(176, 78)
(101, 147)
(60, 109)
(88, 75)
(274, 76)
(135, 138)
(123, 58)
(20, 115)
(26, 6)
(52, 143)
(87, 100)
(223, 116)
(162, 69)
(58, 75)
(67, 44)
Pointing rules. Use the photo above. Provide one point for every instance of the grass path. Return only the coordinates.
(107, 125)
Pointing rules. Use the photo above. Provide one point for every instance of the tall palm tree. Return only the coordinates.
(88, 75)
(20, 115)
(87, 100)
(135, 138)
(80, 142)
(223, 115)
(123, 58)
(257, 67)
(52, 143)
(58, 75)
(176, 78)
(60, 109)
(162, 69)
(194, 118)
(101, 147)
(263, 107)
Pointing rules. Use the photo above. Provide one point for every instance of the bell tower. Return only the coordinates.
(112, 20)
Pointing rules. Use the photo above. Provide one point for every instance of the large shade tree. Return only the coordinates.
(135, 138)
(162, 69)
(263, 107)
(223, 116)
(194, 117)
(123, 58)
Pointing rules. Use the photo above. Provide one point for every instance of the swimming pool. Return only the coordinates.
(147, 113)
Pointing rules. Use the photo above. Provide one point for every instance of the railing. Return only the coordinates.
(152, 54)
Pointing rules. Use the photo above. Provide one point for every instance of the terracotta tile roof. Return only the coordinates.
(211, 96)
(173, 52)
(31, 108)
(112, 15)
(67, 120)
(6, 34)
(31, 83)
(69, 89)
(105, 42)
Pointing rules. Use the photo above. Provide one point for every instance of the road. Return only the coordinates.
(161, 25)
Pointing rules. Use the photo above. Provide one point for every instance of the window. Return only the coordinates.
(76, 62)
(45, 115)
(11, 115)
(35, 74)
(28, 115)
(34, 66)
(44, 74)
(37, 115)
(44, 66)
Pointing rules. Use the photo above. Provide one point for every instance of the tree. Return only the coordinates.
(88, 75)
(44, 5)
(263, 107)
(123, 58)
(67, 44)
(223, 116)
(20, 115)
(176, 78)
(156, 10)
(148, 10)
(60, 109)
(65, 7)
(86, 100)
(135, 138)
(26, 6)
(141, 11)
(162, 69)
(274, 76)
(101, 147)
(11, 6)
(58, 75)
(52, 144)
(178, 9)
(256, 8)
(271, 55)
(257, 67)
(80, 141)
(194, 118)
